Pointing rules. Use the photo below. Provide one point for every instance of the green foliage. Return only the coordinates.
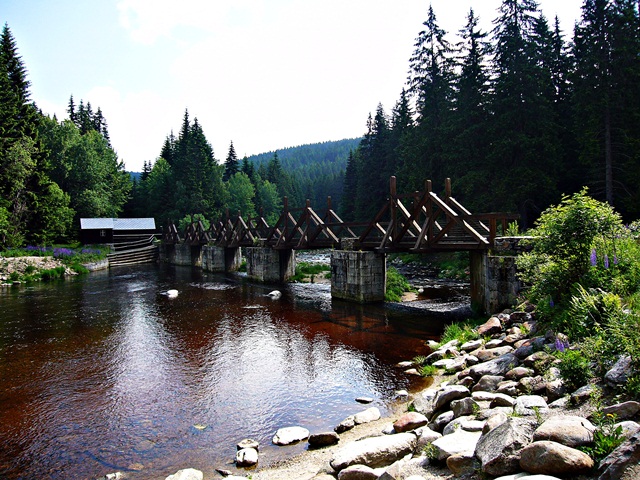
(189, 219)
(607, 436)
(306, 269)
(428, 370)
(419, 360)
(463, 332)
(575, 368)
(397, 284)
(453, 266)
(562, 253)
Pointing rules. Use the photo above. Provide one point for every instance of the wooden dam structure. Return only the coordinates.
(417, 222)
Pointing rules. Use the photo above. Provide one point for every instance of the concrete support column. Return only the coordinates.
(478, 287)
(179, 254)
(358, 276)
(268, 265)
(494, 282)
(233, 259)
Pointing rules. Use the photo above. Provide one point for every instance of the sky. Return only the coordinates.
(263, 74)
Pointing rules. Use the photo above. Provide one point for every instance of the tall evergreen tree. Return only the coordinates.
(231, 164)
(350, 188)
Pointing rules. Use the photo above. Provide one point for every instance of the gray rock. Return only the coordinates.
(446, 363)
(454, 425)
(346, 424)
(488, 383)
(629, 428)
(508, 387)
(621, 461)
(569, 430)
(539, 361)
(466, 382)
(458, 442)
(323, 439)
(186, 474)
(620, 372)
(358, 472)
(464, 406)
(489, 354)
(622, 411)
(426, 436)
(560, 403)
(497, 366)
(499, 449)
(247, 443)
(494, 421)
(518, 373)
(491, 326)
(485, 414)
(471, 345)
(423, 403)
(366, 416)
(448, 394)
(532, 385)
(247, 457)
(401, 394)
(374, 452)
(289, 435)
(412, 371)
(441, 420)
(502, 400)
(495, 343)
(405, 364)
(582, 394)
(364, 400)
(527, 405)
(551, 458)
(555, 389)
(462, 463)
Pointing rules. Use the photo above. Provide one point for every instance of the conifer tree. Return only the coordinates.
(231, 164)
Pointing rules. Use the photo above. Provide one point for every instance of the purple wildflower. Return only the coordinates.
(615, 259)
(560, 346)
(594, 257)
(606, 261)
(551, 303)
(62, 252)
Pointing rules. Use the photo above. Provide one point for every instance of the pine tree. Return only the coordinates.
(15, 69)
(231, 164)
(350, 188)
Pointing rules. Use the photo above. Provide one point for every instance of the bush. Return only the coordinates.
(574, 243)
(397, 284)
(575, 369)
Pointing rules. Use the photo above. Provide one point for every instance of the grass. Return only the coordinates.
(397, 284)
(306, 271)
(463, 332)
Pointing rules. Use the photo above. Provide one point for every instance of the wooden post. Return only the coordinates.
(393, 208)
(447, 187)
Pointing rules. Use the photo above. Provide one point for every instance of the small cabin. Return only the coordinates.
(116, 230)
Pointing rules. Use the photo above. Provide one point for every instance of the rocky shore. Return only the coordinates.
(497, 409)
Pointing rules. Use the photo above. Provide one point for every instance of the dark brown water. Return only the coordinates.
(104, 373)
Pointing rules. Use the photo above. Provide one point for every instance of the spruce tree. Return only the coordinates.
(231, 164)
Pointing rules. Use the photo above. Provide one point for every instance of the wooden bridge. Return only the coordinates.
(418, 222)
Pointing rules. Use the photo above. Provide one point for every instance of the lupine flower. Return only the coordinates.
(560, 346)
(615, 259)
(606, 261)
(594, 257)
(551, 303)
(62, 252)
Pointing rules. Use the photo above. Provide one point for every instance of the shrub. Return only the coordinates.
(463, 332)
(397, 284)
(575, 368)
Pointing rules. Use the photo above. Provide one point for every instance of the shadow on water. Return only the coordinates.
(104, 373)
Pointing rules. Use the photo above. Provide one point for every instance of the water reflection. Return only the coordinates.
(104, 373)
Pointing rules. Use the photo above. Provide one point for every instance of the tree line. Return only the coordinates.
(516, 116)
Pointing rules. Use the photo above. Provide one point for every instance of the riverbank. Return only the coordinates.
(499, 407)
(16, 270)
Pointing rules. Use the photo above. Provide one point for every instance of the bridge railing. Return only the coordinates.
(411, 222)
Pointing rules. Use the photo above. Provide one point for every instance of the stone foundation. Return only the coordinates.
(358, 276)
(268, 265)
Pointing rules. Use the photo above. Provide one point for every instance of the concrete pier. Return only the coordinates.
(358, 276)
(266, 264)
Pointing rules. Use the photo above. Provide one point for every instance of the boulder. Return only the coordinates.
(247, 443)
(508, 387)
(423, 403)
(426, 436)
(450, 393)
(620, 372)
(488, 383)
(629, 428)
(364, 400)
(374, 452)
(502, 400)
(247, 457)
(471, 345)
(366, 416)
(491, 326)
(495, 343)
(186, 474)
(518, 373)
(346, 424)
(497, 366)
(582, 394)
(323, 439)
(464, 406)
(530, 385)
(358, 472)
(552, 458)
(441, 420)
(494, 421)
(458, 442)
(569, 430)
(462, 463)
(622, 411)
(499, 449)
(489, 354)
(289, 435)
(527, 405)
(622, 462)
(410, 421)
(539, 361)
(555, 389)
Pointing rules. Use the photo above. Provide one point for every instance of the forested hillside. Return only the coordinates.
(517, 116)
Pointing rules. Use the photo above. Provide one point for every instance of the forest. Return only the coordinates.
(517, 116)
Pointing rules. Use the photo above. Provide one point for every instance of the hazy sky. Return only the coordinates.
(265, 74)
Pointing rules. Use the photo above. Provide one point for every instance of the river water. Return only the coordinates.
(104, 373)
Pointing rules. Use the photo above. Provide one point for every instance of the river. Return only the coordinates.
(104, 373)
